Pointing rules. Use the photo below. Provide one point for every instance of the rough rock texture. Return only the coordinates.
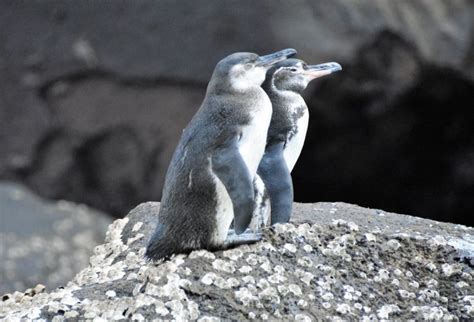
(94, 95)
(337, 261)
(44, 242)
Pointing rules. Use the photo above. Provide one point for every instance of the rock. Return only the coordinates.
(71, 95)
(44, 242)
(335, 260)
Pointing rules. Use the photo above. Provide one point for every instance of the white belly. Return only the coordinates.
(254, 137)
(224, 212)
(294, 146)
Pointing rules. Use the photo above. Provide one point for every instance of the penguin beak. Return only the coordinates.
(315, 71)
(269, 60)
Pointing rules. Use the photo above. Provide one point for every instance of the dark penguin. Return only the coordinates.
(284, 84)
(209, 182)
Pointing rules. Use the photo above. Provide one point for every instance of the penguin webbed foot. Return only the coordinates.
(247, 237)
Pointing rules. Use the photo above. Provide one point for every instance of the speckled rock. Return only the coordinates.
(44, 242)
(335, 261)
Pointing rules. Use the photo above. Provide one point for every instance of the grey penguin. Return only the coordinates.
(284, 84)
(209, 182)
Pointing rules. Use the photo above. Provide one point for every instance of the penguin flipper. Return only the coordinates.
(277, 178)
(230, 168)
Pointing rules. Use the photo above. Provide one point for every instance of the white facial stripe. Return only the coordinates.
(242, 79)
(257, 75)
(273, 78)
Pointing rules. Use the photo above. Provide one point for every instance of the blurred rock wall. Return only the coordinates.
(94, 95)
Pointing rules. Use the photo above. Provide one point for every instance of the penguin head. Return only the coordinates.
(294, 74)
(240, 72)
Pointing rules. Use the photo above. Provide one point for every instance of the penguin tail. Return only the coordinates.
(158, 247)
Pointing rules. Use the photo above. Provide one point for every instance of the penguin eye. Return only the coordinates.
(293, 69)
(248, 66)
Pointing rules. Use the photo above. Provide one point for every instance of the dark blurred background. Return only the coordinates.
(94, 96)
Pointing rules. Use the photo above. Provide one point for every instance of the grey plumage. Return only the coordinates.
(209, 181)
(284, 84)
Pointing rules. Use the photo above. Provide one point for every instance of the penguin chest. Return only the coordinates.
(296, 138)
(254, 136)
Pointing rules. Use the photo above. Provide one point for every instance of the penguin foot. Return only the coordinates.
(247, 237)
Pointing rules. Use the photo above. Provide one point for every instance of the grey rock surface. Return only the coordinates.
(335, 261)
(42, 241)
(94, 95)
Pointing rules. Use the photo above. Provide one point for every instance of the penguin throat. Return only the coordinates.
(240, 84)
(287, 91)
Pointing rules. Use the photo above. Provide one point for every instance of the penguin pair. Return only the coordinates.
(210, 180)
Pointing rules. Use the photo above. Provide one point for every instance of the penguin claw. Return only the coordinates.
(247, 237)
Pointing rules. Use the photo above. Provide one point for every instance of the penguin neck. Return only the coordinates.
(287, 105)
(287, 95)
(284, 98)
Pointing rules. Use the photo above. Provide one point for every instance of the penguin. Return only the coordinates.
(284, 83)
(209, 182)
